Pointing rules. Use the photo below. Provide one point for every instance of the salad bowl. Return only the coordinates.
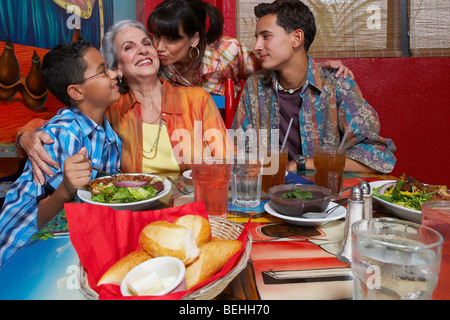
(398, 210)
(86, 196)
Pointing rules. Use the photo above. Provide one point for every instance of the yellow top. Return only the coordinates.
(163, 158)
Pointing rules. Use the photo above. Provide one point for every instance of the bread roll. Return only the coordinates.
(199, 225)
(118, 271)
(213, 257)
(162, 238)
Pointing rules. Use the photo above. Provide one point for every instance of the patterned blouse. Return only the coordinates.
(223, 59)
(192, 120)
(329, 104)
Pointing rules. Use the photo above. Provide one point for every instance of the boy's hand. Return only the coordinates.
(77, 172)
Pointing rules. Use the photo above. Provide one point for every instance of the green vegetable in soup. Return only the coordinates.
(297, 194)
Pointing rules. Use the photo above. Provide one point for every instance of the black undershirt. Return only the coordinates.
(289, 106)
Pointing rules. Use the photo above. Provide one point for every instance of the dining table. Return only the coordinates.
(287, 261)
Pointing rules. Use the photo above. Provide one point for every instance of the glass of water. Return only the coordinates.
(394, 259)
(246, 179)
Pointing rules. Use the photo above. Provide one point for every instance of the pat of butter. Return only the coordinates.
(167, 281)
(148, 283)
(144, 284)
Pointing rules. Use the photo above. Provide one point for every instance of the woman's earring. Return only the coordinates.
(119, 78)
(196, 55)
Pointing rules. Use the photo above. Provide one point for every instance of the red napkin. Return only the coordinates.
(101, 236)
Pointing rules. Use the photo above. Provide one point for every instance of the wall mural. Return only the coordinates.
(28, 30)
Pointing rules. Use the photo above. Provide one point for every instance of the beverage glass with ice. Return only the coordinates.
(274, 167)
(246, 179)
(329, 163)
(394, 259)
(211, 178)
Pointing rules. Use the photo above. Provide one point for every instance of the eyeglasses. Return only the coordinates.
(104, 71)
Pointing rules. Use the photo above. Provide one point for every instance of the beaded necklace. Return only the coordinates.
(155, 144)
(290, 91)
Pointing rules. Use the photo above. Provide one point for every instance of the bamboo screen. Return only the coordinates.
(429, 24)
(366, 28)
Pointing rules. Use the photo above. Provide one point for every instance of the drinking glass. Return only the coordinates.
(394, 259)
(211, 178)
(436, 215)
(274, 168)
(329, 163)
(246, 180)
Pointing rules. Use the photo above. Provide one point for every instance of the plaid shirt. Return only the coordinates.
(223, 59)
(71, 130)
(329, 104)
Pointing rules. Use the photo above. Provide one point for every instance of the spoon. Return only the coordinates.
(321, 215)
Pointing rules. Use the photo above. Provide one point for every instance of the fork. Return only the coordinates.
(109, 174)
(183, 189)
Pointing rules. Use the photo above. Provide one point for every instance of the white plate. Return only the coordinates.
(85, 196)
(399, 211)
(187, 174)
(338, 213)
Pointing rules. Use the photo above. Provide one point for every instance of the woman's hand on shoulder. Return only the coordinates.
(339, 66)
(31, 142)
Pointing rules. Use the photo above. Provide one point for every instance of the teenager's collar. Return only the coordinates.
(312, 77)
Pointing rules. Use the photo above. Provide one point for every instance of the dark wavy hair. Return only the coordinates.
(192, 16)
(65, 65)
(291, 15)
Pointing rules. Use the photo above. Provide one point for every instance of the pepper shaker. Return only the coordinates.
(355, 209)
(367, 199)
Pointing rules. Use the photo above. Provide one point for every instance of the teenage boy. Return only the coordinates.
(291, 85)
(77, 75)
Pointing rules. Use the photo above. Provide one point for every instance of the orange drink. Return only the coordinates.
(274, 173)
(329, 163)
(211, 180)
(436, 215)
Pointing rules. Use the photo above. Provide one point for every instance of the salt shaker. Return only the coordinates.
(355, 209)
(367, 199)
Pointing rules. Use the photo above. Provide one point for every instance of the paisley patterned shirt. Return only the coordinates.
(328, 106)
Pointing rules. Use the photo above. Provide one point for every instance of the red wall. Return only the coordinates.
(412, 98)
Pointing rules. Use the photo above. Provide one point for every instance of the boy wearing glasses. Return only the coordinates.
(76, 73)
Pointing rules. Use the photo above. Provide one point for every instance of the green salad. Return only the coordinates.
(394, 194)
(111, 193)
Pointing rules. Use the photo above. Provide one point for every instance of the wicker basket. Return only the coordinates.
(221, 228)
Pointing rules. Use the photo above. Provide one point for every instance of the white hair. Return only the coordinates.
(108, 48)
